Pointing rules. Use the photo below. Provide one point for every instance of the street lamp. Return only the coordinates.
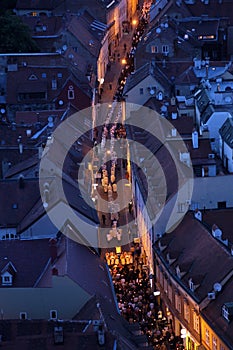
(123, 61)
(134, 22)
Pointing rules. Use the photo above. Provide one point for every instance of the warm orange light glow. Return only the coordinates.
(123, 61)
(134, 22)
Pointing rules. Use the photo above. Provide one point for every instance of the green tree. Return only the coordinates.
(15, 36)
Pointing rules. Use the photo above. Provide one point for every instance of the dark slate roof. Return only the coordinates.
(226, 132)
(29, 258)
(203, 253)
(36, 4)
(139, 75)
(17, 201)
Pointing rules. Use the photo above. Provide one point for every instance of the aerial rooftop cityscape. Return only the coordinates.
(116, 174)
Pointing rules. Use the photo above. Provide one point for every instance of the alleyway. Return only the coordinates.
(119, 238)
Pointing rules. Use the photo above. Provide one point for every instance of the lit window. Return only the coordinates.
(59, 75)
(154, 49)
(186, 311)
(43, 75)
(215, 343)
(178, 302)
(196, 324)
(207, 337)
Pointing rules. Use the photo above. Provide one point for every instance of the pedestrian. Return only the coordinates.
(110, 86)
(130, 206)
(125, 46)
(103, 219)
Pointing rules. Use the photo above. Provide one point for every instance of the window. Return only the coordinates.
(71, 93)
(222, 205)
(154, 49)
(170, 292)
(178, 302)
(141, 91)
(215, 344)
(53, 314)
(23, 315)
(165, 49)
(207, 337)
(225, 312)
(196, 322)
(191, 285)
(43, 75)
(186, 312)
(6, 279)
(59, 75)
(165, 284)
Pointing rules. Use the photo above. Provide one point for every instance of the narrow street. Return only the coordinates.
(118, 236)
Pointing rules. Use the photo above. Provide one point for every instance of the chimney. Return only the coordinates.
(195, 138)
(54, 271)
(21, 181)
(53, 249)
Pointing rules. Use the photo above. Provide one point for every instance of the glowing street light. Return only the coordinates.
(134, 22)
(123, 61)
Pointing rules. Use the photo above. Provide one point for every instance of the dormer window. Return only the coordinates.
(191, 285)
(178, 271)
(227, 311)
(6, 279)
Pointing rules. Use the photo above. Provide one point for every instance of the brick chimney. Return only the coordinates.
(53, 249)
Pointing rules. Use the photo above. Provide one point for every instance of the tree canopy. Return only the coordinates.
(15, 35)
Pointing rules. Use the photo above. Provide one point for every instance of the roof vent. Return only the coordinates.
(211, 295)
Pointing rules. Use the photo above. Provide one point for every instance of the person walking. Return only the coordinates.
(103, 219)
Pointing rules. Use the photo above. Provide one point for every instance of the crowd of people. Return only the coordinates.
(136, 299)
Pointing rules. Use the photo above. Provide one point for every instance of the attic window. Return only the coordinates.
(59, 75)
(71, 93)
(227, 311)
(53, 314)
(191, 285)
(43, 75)
(6, 279)
(178, 271)
(32, 77)
(154, 49)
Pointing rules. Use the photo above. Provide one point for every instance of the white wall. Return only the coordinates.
(214, 124)
(208, 191)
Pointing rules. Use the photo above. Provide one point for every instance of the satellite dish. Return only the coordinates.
(60, 102)
(152, 91)
(50, 122)
(158, 30)
(217, 287)
(228, 99)
(64, 47)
